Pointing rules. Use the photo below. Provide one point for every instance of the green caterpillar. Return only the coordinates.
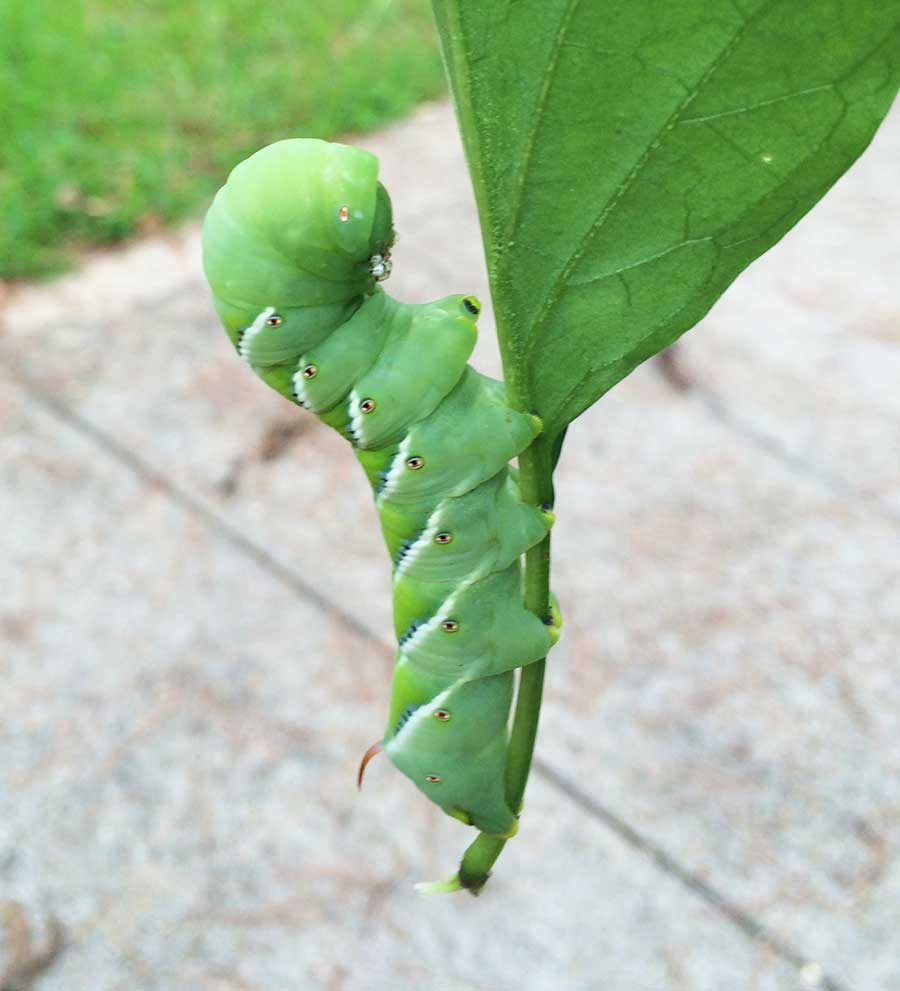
(294, 246)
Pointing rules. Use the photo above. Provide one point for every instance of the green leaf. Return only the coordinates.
(630, 159)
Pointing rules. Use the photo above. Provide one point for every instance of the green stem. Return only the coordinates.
(535, 464)
(535, 480)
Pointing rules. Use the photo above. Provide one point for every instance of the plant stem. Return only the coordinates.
(536, 484)
(535, 464)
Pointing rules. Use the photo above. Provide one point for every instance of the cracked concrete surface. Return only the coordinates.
(196, 644)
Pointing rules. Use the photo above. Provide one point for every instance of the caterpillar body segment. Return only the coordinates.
(344, 356)
(295, 245)
(484, 528)
(430, 751)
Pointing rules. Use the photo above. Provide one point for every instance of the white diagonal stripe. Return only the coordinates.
(356, 416)
(421, 542)
(299, 384)
(252, 331)
(398, 465)
(424, 712)
(444, 611)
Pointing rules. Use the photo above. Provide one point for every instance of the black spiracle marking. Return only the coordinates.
(296, 396)
(416, 623)
(405, 546)
(385, 472)
(382, 480)
(404, 717)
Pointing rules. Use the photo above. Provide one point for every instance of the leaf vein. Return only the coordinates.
(758, 106)
(559, 282)
(643, 261)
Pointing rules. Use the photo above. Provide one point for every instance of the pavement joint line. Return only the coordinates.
(157, 479)
(679, 378)
(720, 411)
(743, 921)
(723, 413)
(667, 863)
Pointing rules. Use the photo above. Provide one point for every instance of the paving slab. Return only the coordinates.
(178, 734)
(729, 684)
(725, 694)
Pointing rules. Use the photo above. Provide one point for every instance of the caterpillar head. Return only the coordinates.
(383, 236)
(294, 231)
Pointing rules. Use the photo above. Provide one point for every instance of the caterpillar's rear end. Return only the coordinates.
(295, 245)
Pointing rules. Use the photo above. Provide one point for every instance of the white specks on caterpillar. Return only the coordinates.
(344, 214)
(381, 267)
(246, 338)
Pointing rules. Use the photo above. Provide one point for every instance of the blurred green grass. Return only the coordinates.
(119, 116)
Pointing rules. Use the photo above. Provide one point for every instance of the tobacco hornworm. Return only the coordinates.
(295, 246)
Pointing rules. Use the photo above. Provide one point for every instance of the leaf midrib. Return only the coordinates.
(531, 142)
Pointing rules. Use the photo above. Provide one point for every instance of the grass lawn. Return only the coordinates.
(118, 116)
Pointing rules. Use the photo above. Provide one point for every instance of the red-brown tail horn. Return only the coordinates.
(373, 751)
